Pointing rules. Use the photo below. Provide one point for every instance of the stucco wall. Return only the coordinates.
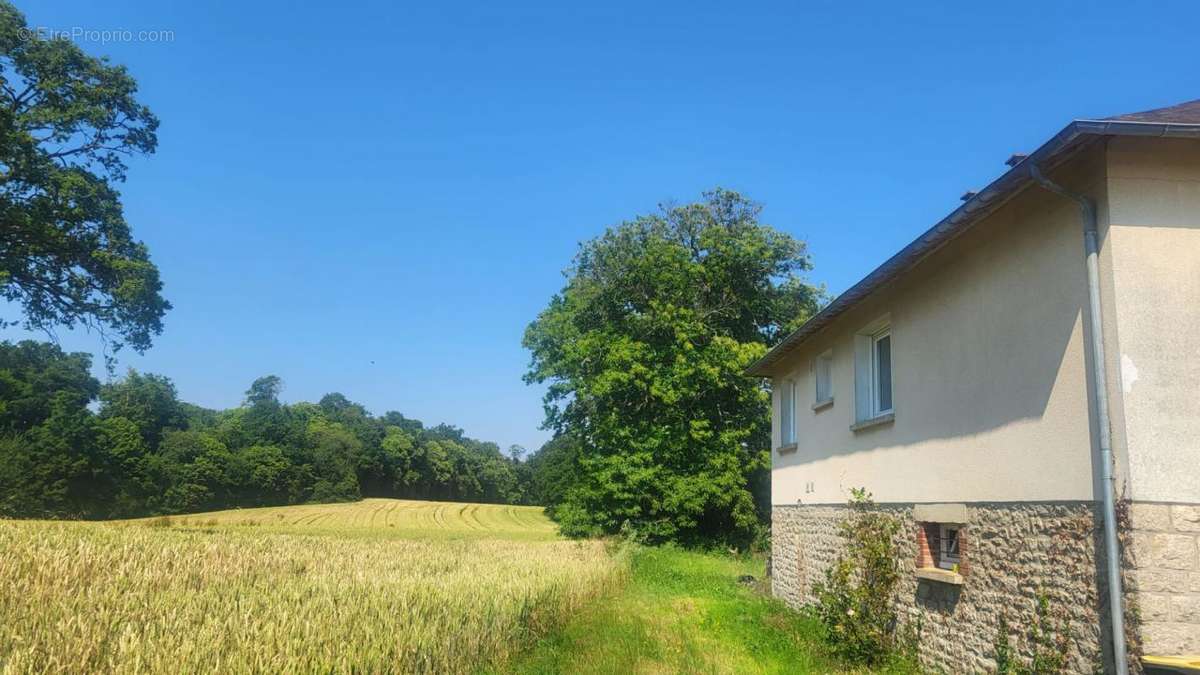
(1154, 239)
(989, 371)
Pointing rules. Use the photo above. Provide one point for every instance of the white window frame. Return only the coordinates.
(825, 358)
(947, 558)
(877, 408)
(787, 413)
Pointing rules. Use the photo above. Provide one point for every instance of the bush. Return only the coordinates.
(574, 521)
(855, 602)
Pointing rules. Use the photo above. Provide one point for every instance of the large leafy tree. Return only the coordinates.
(644, 352)
(148, 400)
(48, 460)
(38, 380)
(68, 123)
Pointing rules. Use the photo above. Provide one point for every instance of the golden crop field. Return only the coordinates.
(374, 586)
(387, 518)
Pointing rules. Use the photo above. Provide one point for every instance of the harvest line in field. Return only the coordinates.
(381, 518)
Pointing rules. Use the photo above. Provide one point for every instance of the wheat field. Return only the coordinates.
(376, 518)
(374, 586)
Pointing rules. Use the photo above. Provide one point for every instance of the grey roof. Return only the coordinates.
(1181, 120)
(1183, 113)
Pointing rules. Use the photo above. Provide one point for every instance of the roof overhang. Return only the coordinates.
(1053, 152)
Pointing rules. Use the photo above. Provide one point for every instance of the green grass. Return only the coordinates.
(685, 612)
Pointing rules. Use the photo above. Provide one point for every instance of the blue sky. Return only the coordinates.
(376, 199)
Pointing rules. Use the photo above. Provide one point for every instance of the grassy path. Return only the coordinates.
(684, 612)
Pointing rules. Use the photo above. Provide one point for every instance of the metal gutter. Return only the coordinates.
(1104, 468)
(984, 202)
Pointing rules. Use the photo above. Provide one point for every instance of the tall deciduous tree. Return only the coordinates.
(47, 450)
(148, 400)
(68, 122)
(644, 352)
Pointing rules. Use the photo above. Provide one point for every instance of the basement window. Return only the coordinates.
(941, 545)
(949, 557)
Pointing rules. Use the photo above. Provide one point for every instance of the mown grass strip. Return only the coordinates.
(686, 612)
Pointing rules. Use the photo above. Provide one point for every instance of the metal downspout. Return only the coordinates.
(1087, 209)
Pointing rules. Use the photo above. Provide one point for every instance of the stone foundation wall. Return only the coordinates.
(1163, 560)
(1012, 552)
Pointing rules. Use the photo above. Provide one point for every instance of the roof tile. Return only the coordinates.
(1184, 113)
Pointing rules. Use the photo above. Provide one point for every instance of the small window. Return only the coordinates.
(948, 543)
(823, 369)
(787, 413)
(881, 372)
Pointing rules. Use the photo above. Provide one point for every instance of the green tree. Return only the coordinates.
(553, 469)
(264, 392)
(644, 352)
(48, 457)
(268, 421)
(436, 464)
(68, 121)
(199, 471)
(398, 461)
(267, 476)
(148, 400)
(334, 453)
(128, 465)
(38, 378)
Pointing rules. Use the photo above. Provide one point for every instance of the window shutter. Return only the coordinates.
(862, 377)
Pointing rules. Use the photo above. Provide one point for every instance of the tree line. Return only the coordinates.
(71, 447)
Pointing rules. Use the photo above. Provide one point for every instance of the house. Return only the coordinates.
(1025, 396)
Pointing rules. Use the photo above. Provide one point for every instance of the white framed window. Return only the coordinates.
(787, 413)
(881, 372)
(873, 367)
(949, 556)
(823, 372)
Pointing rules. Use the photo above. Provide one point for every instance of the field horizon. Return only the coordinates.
(377, 516)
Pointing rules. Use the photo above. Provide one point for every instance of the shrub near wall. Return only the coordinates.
(856, 599)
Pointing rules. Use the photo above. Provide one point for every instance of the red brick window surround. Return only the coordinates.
(931, 554)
